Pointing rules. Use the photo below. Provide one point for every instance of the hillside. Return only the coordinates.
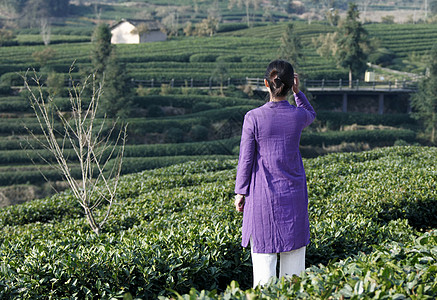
(172, 109)
(372, 214)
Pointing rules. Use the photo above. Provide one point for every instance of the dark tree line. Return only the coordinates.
(30, 11)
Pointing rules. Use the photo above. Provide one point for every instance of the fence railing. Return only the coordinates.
(189, 83)
(330, 85)
(258, 84)
(360, 85)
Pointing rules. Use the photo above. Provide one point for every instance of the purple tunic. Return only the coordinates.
(270, 173)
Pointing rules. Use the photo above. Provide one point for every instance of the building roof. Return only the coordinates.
(152, 25)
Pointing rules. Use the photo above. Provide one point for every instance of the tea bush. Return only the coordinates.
(175, 228)
(392, 271)
(334, 120)
(373, 137)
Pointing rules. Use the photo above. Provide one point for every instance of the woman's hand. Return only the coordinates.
(296, 83)
(239, 202)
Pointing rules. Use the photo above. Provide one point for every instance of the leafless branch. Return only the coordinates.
(92, 147)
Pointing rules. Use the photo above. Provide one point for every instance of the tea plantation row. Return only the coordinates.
(186, 122)
(174, 229)
(243, 52)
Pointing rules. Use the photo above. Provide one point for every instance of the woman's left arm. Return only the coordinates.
(302, 101)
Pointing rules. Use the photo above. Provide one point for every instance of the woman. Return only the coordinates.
(271, 184)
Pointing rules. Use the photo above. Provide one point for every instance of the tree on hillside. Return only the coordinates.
(115, 100)
(424, 102)
(102, 49)
(326, 44)
(10, 8)
(351, 43)
(248, 4)
(290, 48)
(44, 56)
(189, 29)
(6, 36)
(141, 29)
(45, 30)
(33, 10)
(433, 6)
(208, 27)
(220, 74)
(171, 24)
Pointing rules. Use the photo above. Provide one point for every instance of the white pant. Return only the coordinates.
(264, 265)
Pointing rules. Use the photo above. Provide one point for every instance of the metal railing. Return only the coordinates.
(338, 85)
(400, 85)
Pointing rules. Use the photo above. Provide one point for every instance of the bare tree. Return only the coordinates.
(45, 30)
(93, 148)
(247, 4)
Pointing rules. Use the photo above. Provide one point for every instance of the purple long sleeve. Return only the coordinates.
(302, 102)
(270, 173)
(246, 158)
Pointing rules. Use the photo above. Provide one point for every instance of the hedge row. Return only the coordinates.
(33, 177)
(137, 164)
(15, 106)
(190, 100)
(20, 143)
(186, 122)
(334, 120)
(130, 165)
(373, 137)
(224, 147)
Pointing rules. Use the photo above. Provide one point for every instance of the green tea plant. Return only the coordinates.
(372, 216)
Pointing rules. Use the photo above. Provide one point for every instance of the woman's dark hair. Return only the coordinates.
(280, 76)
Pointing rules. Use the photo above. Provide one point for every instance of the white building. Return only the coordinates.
(127, 32)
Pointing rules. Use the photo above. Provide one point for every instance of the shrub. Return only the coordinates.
(55, 82)
(373, 137)
(199, 133)
(336, 119)
(155, 111)
(11, 79)
(382, 56)
(174, 135)
(5, 90)
(201, 106)
(200, 57)
(43, 56)
(229, 58)
(226, 27)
